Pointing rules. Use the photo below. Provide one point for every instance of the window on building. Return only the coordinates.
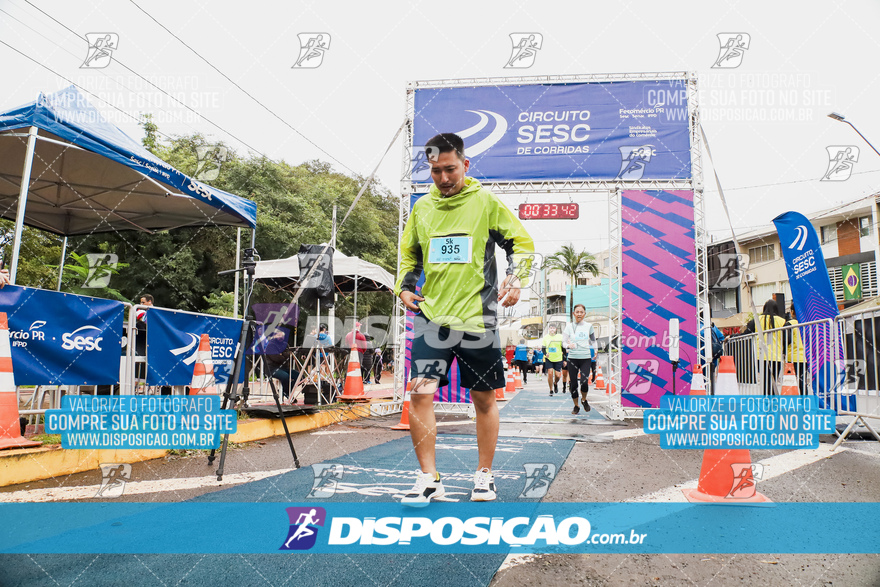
(762, 293)
(836, 277)
(762, 254)
(582, 281)
(828, 233)
(607, 262)
(723, 300)
(865, 226)
(556, 306)
(730, 299)
(869, 279)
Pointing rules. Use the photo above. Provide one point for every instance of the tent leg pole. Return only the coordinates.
(61, 265)
(22, 200)
(238, 273)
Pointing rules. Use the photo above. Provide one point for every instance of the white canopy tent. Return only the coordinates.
(350, 275)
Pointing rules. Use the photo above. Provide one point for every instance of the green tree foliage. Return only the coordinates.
(574, 264)
(220, 305)
(294, 206)
(151, 136)
(80, 277)
(39, 250)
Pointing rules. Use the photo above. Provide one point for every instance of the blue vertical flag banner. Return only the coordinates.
(173, 341)
(813, 299)
(62, 338)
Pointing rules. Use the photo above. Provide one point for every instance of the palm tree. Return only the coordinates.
(573, 264)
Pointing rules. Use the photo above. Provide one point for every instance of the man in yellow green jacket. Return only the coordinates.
(451, 236)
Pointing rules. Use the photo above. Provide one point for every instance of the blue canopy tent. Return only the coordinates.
(86, 176)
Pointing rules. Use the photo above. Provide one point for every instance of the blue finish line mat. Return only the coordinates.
(524, 470)
(533, 403)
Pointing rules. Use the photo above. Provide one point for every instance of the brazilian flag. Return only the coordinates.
(852, 281)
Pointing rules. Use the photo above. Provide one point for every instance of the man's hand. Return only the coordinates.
(509, 291)
(409, 300)
(4, 277)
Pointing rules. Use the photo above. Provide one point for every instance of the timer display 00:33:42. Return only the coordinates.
(567, 211)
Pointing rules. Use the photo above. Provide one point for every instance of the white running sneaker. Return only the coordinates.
(427, 486)
(484, 486)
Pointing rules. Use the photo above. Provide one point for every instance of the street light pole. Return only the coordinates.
(842, 118)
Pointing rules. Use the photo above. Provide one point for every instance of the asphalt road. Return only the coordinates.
(610, 462)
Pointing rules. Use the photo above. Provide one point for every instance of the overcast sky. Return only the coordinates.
(765, 119)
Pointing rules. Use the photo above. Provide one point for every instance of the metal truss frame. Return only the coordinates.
(615, 409)
(615, 312)
(546, 79)
(700, 242)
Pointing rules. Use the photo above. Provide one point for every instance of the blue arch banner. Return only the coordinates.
(629, 131)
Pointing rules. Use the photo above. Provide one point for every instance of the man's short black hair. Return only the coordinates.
(445, 143)
(147, 297)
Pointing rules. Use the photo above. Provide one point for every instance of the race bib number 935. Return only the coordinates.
(450, 249)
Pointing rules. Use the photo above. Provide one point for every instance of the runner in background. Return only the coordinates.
(538, 362)
(576, 339)
(450, 236)
(552, 347)
(521, 359)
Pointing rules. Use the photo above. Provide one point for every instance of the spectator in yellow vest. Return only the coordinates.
(796, 354)
(770, 349)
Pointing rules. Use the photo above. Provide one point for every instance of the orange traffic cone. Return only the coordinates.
(511, 384)
(600, 380)
(789, 381)
(517, 378)
(10, 427)
(698, 382)
(726, 477)
(499, 394)
(726, 383)
(726, 474)
(203, 382)
(354, 383)
(404, 415)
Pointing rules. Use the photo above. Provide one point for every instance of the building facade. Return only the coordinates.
(849, 241)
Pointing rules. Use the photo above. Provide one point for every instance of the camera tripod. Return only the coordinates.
(245, 339)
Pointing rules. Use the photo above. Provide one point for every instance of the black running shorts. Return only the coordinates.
(480, 360)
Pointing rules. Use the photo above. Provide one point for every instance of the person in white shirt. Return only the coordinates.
(577, 339)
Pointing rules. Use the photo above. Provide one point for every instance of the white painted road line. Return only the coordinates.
(628, 433)
(773, 467)
(135, 487)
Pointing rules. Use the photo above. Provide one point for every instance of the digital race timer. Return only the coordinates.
(568, 211)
